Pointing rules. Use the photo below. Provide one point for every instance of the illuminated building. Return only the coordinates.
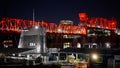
(33, 38)
(66, 22)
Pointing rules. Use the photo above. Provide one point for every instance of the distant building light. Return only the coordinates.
(32, 44)
(65, 36)
(28, 56)
(53, 50)
(78, 45)
(93, 34)
(107, 45)
(5, 46)
(13, 54)
(38, 49)
(94, 43)
(118, 33)
(106, 31)
(59, 30)
(80, 24)
(94, 56)
(36, 27)
(7, 41)
(88, 31)
(66, 45)
(19, 54)
(98, 26)
(88, 25)
(107, 27)
(66, 22)
(25, 30)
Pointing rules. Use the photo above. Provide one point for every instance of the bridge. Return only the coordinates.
(14, 24)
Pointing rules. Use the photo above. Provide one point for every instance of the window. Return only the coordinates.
(32, 44)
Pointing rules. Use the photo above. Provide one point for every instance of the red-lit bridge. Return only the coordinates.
(97, 22)
(13, 24)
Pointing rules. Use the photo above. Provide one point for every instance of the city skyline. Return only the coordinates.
(54, 11)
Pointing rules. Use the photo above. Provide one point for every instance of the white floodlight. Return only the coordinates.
(94, 56)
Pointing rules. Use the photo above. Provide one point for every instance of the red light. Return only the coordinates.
(83, 16)
(113, 23)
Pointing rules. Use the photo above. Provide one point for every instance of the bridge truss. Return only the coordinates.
(13, 24)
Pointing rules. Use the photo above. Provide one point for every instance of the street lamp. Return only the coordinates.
(94, 56)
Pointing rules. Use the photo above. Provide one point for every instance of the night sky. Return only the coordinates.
(56, 10)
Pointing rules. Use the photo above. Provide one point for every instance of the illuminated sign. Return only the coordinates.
(7, 43)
